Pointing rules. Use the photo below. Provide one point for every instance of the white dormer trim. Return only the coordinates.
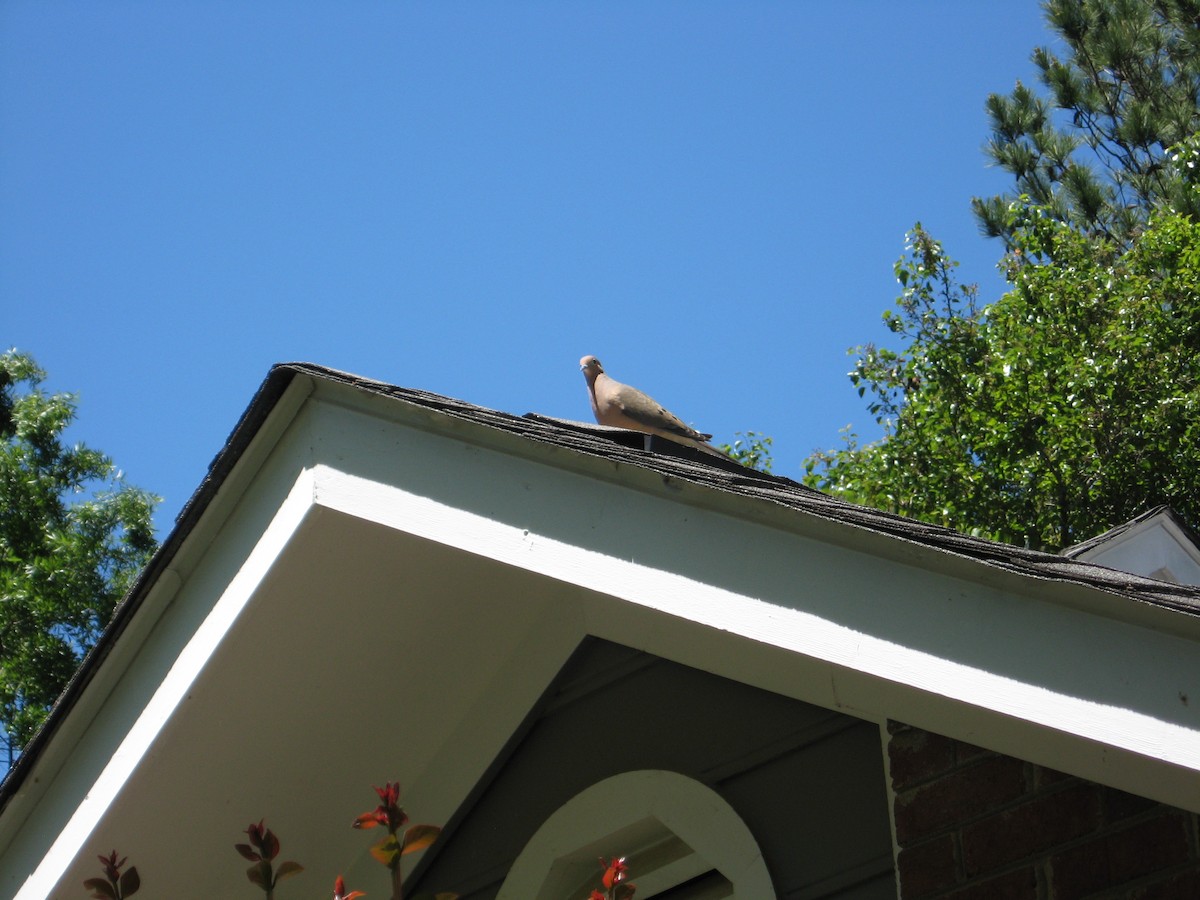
(671, 828)
(1155, 547)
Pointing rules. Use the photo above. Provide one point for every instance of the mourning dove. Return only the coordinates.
(623, 406)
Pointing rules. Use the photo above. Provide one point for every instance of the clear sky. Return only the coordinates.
(468, 197)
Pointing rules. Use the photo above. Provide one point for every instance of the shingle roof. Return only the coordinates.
(673, 460)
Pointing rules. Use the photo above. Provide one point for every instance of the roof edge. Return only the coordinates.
(278, 379)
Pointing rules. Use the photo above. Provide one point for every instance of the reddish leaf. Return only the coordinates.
(339, 891)
(387, 851)
(390, 794)
(270, 845)
(366, 820)
(101, 888)
(255, 833)
(247, 851)
(287, 868)
(112, 868)
(130, 882)
(419, 837)
(615, 873)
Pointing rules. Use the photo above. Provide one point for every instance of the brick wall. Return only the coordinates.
(975, 825)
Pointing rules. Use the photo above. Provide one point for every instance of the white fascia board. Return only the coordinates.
(170, 692)
(860, 633)
(144, 679)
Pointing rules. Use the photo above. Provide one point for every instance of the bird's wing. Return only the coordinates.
(649, 413)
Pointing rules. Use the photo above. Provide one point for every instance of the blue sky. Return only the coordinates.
(468, 197)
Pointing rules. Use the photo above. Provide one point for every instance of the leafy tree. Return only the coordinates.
(64, 562)
(1093, 150)
(752, 449)
(1066, 407)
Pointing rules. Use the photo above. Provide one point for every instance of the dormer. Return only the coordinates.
(1157, 544)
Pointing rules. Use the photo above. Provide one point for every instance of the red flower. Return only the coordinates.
(112, 868)
(339, 891)
(116, 885)
(389, 794)
(615, 872)
(263, 846)
(388, 813)
(615, 881)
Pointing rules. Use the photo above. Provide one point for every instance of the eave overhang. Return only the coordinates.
(411, 572)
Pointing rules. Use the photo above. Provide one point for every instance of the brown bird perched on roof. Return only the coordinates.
(622, 406)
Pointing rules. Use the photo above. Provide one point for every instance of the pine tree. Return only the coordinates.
(1093, 150)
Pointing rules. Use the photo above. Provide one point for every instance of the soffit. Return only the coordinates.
(528, 607)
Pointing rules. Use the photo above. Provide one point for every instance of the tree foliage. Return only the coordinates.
(1093, 149)
(752, 449)
(73, 536)
(1066, 407)
(1071, 403)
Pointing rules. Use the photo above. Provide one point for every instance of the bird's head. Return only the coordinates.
(590, 366)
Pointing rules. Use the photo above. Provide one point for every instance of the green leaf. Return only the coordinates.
(419, 837)
(287, 869)
(387, 851)
(72, 539)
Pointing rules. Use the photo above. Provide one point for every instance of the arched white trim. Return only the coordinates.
(670, 827)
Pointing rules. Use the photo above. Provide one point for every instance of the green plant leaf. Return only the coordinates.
(419, 837)
(387, 851)
(287, 869)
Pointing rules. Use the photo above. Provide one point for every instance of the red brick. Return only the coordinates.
(1043, 777)
(965, 753)
(1117, 858)
(1080, 871)
(1018, 885)
(958, 797)
(1181, 886)
(1032, 828)
(1151, 846)
(916, 756)
(1119, 805)
(928, 867)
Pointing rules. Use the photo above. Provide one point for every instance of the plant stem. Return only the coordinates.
(397, 882)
